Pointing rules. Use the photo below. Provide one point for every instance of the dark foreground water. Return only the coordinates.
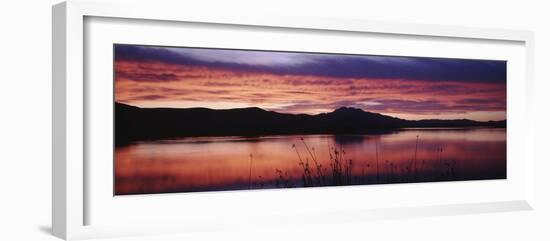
(236, 163)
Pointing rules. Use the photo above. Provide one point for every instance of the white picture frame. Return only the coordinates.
(72, 190)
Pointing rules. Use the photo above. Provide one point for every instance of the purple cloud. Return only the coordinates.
(318, 64)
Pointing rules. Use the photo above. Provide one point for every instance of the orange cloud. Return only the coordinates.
(157, 84)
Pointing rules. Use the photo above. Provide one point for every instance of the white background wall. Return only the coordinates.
(25, 120)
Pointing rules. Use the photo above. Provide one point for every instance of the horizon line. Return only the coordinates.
(286, 113)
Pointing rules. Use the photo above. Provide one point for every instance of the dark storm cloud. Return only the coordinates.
(327, 65)
(430, 69)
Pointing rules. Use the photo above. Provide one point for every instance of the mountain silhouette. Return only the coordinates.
(134, 123)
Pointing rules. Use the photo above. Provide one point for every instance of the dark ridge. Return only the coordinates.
(134, 123)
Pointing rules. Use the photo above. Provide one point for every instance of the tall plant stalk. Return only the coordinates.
(415, 167)
(250, 173)
(377, 165)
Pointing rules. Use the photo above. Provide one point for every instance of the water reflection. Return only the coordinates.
(233, 163)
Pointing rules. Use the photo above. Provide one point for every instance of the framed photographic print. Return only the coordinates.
(203, 119)
(161, 116)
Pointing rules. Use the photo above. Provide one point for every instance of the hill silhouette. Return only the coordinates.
(134, 123)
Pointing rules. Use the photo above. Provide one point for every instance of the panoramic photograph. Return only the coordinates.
(192, 119)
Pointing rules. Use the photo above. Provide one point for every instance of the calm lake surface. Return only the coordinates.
(235, 163)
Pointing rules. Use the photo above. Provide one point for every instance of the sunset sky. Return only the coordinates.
(289, 82)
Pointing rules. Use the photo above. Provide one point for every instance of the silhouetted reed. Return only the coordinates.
(340, 171)
(415, 167)
(282, 179)
(318, 166)
(377, 165)
(250, 173)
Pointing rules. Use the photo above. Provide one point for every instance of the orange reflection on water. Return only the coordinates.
(233, 163)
